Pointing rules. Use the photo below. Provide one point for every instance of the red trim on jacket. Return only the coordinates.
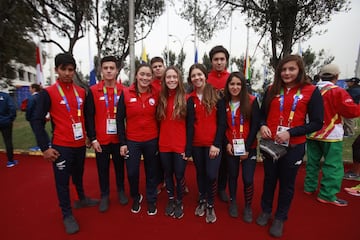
(231, 130)
(141, 123)
(102, 113)
(273, 117)
(218, 79)
(63, 131)
(205, 124)
(172, 137)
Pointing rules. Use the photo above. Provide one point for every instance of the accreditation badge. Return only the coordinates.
(111, 126)
(280, 129)
(239, 147)
(78, 131)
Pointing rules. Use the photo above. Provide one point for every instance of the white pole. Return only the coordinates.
(131, 39)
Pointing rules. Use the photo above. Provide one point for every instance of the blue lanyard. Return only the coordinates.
(107, 100)
(233, 115)
(67, 103)
(293, 107)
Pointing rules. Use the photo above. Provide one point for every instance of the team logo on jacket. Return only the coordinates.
(152, 102)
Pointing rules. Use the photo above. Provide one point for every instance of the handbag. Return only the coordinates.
(271, 149)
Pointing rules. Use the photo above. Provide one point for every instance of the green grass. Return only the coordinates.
(23, 137)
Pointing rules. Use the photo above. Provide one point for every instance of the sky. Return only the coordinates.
(342, 40)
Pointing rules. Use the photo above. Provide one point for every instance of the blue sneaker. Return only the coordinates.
(34, 149)
(12, 163)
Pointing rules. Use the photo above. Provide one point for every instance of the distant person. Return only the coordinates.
(292, 107)
(208, 130)
(174, 147)
(101, 129)
(30, 107)
(138, 133)
(327, 142)
(354, 173)
(242, 112)
(66, 151)
(158, 68)
(7, 118)
(219, 57)
(354, 91)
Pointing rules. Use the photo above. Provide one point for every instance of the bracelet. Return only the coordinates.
(94, 141)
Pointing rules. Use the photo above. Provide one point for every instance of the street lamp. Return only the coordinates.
(183, 41)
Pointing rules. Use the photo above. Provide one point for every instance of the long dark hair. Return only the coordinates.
(245, 108)
(210, 96)
(278, 82)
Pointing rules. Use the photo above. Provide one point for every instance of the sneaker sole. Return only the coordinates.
(140, 200)
(332, 203)
(211, 221)
(152, 213)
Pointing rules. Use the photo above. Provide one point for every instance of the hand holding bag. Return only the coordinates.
(271, 149)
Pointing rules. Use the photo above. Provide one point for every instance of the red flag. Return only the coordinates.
(39, 72)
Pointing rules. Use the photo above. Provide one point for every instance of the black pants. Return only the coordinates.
(69, 164)
(6, 132)
(103, 166)
(356, 150)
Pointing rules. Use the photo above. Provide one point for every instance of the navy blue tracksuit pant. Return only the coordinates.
(69, 164)
(112, 151)
(148, 149)
(285, 171)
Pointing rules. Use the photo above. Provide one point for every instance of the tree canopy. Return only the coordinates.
(285, 21)
(16, 25)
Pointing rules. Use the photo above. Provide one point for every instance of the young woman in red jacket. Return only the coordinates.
(208, 130)
(174, 149)
(242, 114)
(292, 107)
(137, 104)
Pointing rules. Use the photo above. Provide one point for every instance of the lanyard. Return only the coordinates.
(67, 103)
(107, 100)
(293, 107)
(233, 115)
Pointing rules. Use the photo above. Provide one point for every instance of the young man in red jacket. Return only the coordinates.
(101, 130)
(217, 77)
(65, 102)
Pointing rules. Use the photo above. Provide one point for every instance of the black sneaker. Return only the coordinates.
(223, 196)
(70, 224)
(233, 209)
(263, 219)
(210, 214)
(276, 229)
(123, 198)
(86, 202)
(200, 209)
(152, 209)
(104, 204)
(247, 217)
(179, 209)
(170, 207)
(136, 205)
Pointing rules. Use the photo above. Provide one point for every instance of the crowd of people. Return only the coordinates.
(215, 122)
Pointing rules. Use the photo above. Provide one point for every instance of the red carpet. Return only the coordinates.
(29, 210)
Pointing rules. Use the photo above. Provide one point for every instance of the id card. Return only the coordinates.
(282, 129)
(111, 126)
(239, 147)
(78, 131)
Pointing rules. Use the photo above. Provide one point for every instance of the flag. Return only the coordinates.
(299, 49)
(92, 80)
(92, 72)
(247, 70)
(144, 58)
(39, 72)
(196, 56)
